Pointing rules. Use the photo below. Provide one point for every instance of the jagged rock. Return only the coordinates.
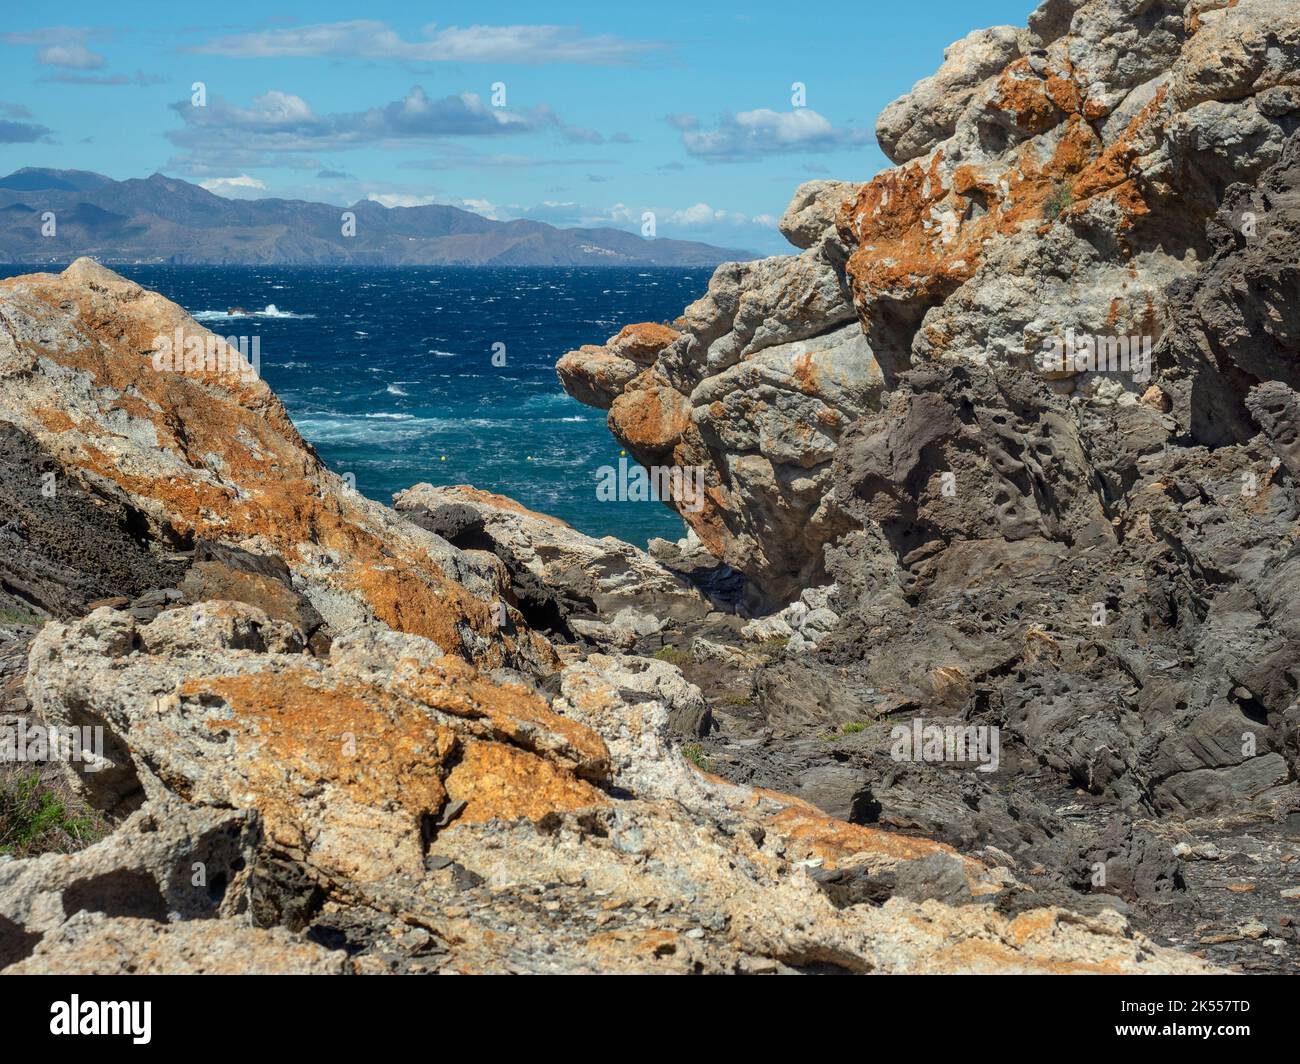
(210, 453)
(1103, 137)
(1221, 345)
(756, 394)
(815, 209)
(462, 797)
(913, 124)
(96, 945)
(364, 756)
(638, 679)
(954, 253)
(560, 579)
(64, 545)
(166, 862)
(597, 375)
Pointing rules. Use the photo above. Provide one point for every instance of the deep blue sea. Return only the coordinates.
(389, 372)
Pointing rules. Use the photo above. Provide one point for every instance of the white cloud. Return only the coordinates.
(751, 134)
(401, 199)
(226, 184)
(72, 56)
(223, 136)
(368, 39)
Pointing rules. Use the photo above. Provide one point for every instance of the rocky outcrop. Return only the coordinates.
(563, 582)
(597, 375)
(207, 452)
(1092, 557)
(1074, 186)
(768, 372)
(322, 751)
(393, 788)
(1051, 181)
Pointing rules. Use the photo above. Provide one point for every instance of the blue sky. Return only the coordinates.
(684, 109)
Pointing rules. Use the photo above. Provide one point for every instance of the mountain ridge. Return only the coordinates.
(165, 220)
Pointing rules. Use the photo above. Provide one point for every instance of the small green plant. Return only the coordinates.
(1058, 202)
(738, 700)
(673, 655)
(694, 753)
(845, 729)
(774, 646)
(35, 819)
(17, 615)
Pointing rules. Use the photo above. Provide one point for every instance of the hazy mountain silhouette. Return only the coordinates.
(161, 219)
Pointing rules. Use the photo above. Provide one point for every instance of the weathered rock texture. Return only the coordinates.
(562, 581)
(184, 456)
(1100, 564)
(395, 789)
(323, 753)
(1055, 178)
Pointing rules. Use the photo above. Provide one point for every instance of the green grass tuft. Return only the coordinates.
(1059, 202)
(673, 655)
(35, 818)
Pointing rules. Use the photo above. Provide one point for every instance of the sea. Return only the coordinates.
(442, 374)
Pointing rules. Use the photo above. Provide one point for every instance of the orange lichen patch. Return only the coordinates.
(813, 834)
(1025, 97)
(651, 942)
(422, 603)
(1064, 92)
(1078, 147)
(1113, 172)
(642, 342)
(500, 781)
(510, 711)
(917, 239)
(54, 420)
(649, 415)
(375, 749)
(805, 372)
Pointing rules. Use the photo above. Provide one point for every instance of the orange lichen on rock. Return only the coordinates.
(810, 833)
(1034, 104)
(650, 415)
(500, 781)
(508, 711)
(295, 737)
(253, 475)
(643, 341)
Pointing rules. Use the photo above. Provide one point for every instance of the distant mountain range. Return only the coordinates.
(161, 219)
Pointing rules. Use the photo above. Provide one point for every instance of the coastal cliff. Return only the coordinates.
(1092, 553)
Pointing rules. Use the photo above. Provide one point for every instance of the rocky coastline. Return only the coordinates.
(456, 735)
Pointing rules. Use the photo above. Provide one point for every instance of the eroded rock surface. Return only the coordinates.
(1093, 558)
(322, 753)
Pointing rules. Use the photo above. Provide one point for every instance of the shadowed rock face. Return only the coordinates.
(372, 772)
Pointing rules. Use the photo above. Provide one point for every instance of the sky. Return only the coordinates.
(707, 114)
